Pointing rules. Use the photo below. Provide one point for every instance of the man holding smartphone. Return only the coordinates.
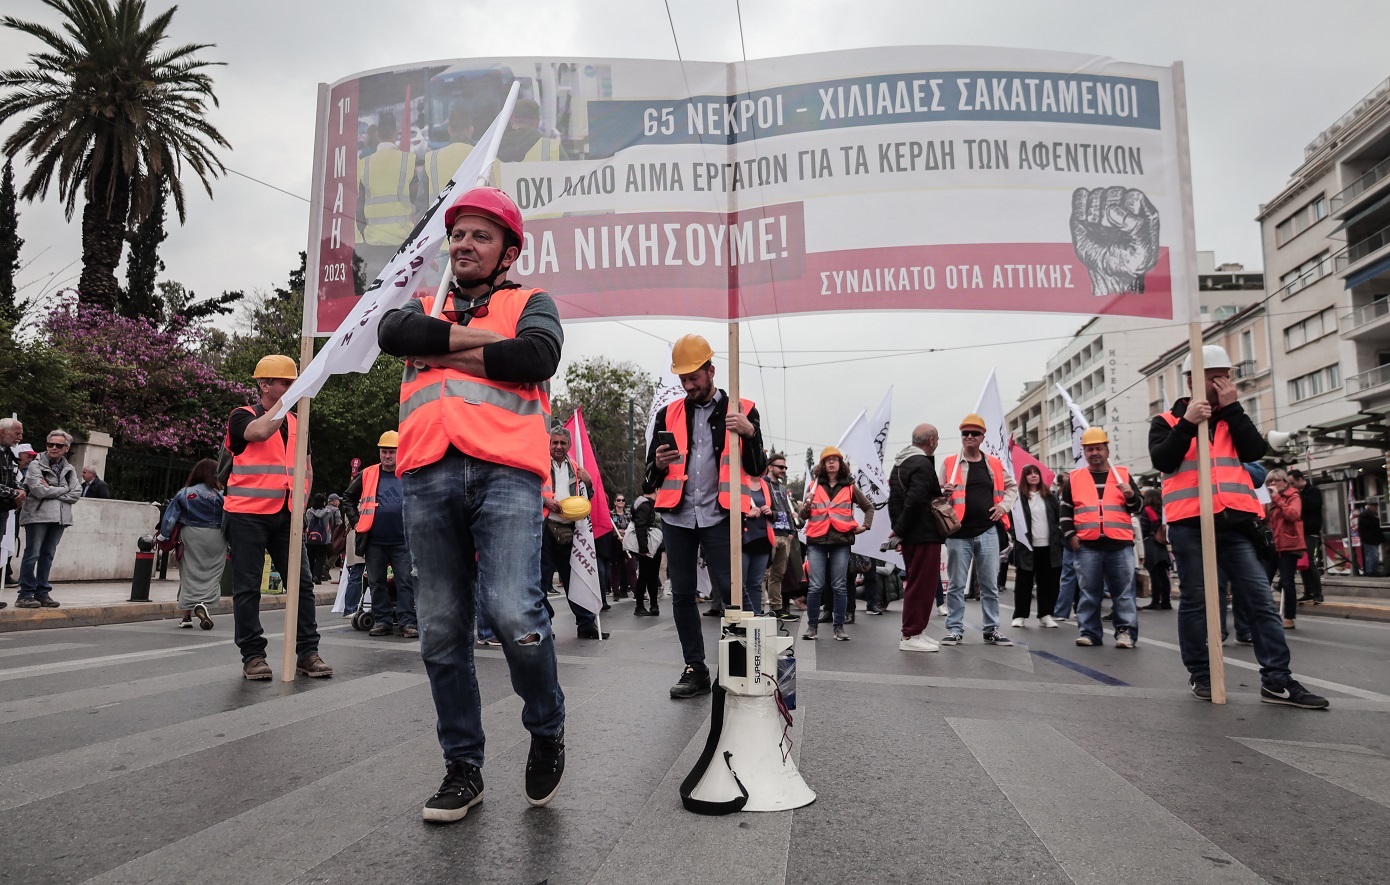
(688, 463)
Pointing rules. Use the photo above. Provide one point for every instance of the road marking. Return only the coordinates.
(1102, 678)
(1098, 826)
(108, 695)
(1357, 769)
(292, 834)
(47, 776)
(41, 649)
(1306, 680)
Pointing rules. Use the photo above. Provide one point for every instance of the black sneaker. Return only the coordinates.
(461, 790)
(715, 613)
(1201, 688)
(824, 618)
(875, 611)
(1245, 640)
(1293, 695)
(545, 766)
(695, 680)
(951, 639)
(994, 637)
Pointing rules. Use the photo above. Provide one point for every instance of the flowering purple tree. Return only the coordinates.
(146, 386)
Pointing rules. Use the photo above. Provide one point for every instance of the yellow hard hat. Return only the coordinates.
(575, 508)
(389, 440)
(973, 420)
(830, 452)
(276, 366)
(690, 353)
(1094, 436)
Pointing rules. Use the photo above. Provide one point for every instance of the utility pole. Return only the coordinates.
(631, 444)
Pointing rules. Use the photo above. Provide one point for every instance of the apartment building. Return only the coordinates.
(1326, 240)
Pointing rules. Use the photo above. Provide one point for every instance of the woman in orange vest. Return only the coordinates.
(830, 531)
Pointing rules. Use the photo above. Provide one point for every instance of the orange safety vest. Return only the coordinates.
(996, 470)
(668, 496)
(749, 486)
(1231, 487)
(366, 506)
(1096, 516)
(828, 512)
(262, 475)
(548, 486)
(499, 421)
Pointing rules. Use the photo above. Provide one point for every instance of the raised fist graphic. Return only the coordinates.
(1115, 233)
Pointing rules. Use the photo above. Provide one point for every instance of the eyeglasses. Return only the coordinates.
(967, 434)
(58, 445)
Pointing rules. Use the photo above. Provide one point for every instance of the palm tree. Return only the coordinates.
(109, 113)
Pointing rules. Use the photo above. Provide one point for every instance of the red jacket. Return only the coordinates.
(1286, 519)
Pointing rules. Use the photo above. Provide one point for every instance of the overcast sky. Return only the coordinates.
(1263, 79)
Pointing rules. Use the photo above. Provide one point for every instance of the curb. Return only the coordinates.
(1346, 611)
(14, 620)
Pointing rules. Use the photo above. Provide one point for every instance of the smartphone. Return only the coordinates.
(666, 438)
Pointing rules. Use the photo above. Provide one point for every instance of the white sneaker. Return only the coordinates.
(1124, 640)
(941, 610)
(920, 642)
(1047, 621)
(1017, 622)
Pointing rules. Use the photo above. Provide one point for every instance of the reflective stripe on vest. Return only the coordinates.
(1095, 516)
(497, 421)
(668, 495)
(384, 177)
(262, 474)
(996, 472)
(366, 505)
(1231, 486)
(831, 513)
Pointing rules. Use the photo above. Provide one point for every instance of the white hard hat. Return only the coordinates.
(1214, 356)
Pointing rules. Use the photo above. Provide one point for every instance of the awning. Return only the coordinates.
(1362, 213)
(1369, 272)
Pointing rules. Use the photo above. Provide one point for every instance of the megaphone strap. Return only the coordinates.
(692, 780)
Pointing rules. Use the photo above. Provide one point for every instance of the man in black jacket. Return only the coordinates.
(912, 486)
(1311, 498)
(694, 509)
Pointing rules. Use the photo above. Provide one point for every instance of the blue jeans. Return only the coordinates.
(835, 561)
(379, 556)
(983, 550)
(1371, 554)
(1249, 580)
(475, 532)
(40, 543)
(754, 567)
(1066, 587)
(354, 589)
(682, 555)
(1097, 570)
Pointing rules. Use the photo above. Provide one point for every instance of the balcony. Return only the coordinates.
(1364, 321)
(1244, 370)
(1361, 249)
(1156, 407)
(1375, 95)
(1358, 385)
(1368, 180)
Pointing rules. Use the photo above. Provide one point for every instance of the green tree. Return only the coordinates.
(10, 244)
(110, 113)
(604, 388)
(178, 305)
(143, 266)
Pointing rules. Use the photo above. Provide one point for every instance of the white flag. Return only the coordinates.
(584, 589)
(352, 346)
(996, 442)
(863, 443)
(668, 392)
(1079, 425)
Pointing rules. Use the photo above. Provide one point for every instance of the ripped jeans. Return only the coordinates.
(474, 528)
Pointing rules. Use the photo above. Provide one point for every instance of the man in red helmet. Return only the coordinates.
(474, 450)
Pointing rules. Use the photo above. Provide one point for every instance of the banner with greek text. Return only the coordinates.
(899, 178)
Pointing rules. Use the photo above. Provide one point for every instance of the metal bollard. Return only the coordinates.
(144, 569)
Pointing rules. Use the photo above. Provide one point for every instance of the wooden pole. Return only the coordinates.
(734, 610)
(298, 493)
(1185, 281)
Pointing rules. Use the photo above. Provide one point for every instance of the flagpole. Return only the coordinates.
(294, 564)
(1217, 664)
(735, 486)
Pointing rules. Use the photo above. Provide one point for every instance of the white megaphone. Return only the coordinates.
(1278, 439)
(747, 763)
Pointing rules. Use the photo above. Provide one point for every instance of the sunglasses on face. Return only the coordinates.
(967, 434)
(57, 445)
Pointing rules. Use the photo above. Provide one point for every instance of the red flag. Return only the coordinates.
(583, 453)
(1022, 459)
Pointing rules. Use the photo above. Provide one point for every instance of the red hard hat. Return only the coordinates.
(488, 202)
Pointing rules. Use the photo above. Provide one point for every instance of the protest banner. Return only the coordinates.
(863, 444)
(584, 588)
